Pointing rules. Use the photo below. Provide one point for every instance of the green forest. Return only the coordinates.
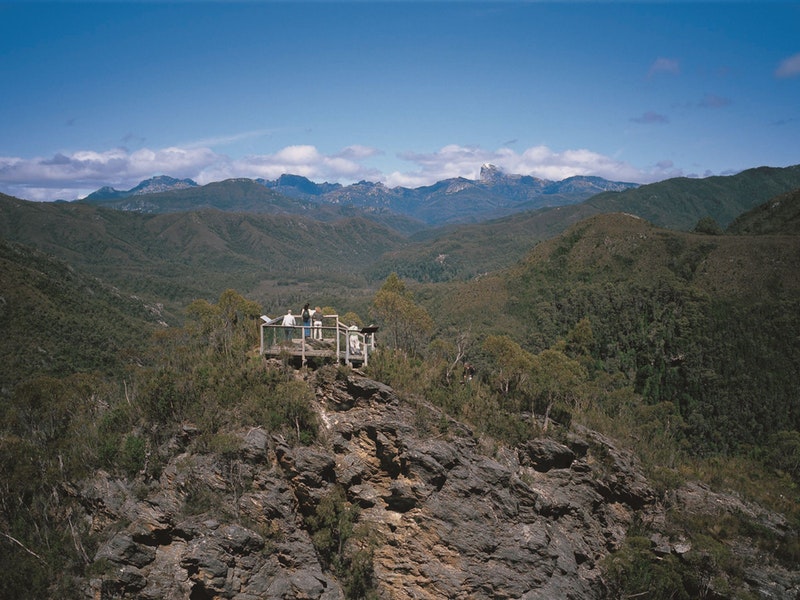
(683, 345)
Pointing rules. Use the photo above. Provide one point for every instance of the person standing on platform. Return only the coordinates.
(316, 319)
(306, 316)
(288, 324)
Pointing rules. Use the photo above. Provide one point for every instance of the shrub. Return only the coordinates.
(708, 226)
(343, 547)
(634, 571)
(133, 454)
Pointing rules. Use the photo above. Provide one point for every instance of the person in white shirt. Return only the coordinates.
(288, 323)
(355, 342)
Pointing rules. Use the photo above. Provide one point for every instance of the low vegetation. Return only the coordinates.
(682, 346)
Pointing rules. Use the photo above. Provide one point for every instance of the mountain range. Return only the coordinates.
(677, 203)
(631, 429)
(451, 201)
(196, 241)
(154, 185)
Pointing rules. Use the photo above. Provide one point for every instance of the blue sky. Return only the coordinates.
(406, 93)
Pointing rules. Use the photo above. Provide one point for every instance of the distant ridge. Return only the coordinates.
(247, 230)
(681, 202)
(454, 201)
(297, 186)
(450, 201)
(677, 204)
(154, 185)
(778, 216)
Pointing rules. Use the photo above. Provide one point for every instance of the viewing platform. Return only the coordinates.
(332, 340)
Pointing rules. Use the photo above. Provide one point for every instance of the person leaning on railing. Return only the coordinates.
(288, 323)
(355, 342)
(316, 319)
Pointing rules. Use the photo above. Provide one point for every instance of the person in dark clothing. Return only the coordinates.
(306, 316)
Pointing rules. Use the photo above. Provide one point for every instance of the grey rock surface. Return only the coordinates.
(448, 518)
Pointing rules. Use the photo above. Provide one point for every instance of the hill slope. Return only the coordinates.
(680, 203)
(177, 257)
(215, 250)
(56, 321)
(707, 323)
(457, 200)
(780, 215)
(247, 479)
(677, 203)
(457, 253)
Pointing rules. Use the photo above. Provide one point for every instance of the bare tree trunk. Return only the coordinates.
(23, 546)
(547, 414)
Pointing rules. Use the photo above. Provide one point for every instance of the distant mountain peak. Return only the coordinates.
(297, 186)
(490, 172)
(161, 183)
(456, 200)
(104, 193)
(154, 185)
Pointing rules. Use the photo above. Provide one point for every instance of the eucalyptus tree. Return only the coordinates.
(405, 325)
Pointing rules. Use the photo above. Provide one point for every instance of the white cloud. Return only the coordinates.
(343, 167)
(664, 65)
(224, 140)
(450, 161)
(358, 152)
(789, 67)
(177, 162)
(537, 161)
(547, 164)
(298, 155)
(69, 176)
(714, 101)
(650, 117)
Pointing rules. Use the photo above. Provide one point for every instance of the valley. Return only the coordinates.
(631, 428)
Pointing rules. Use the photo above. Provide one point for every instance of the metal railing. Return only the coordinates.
(345, 343)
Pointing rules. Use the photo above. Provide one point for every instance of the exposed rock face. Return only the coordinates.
(448, 518)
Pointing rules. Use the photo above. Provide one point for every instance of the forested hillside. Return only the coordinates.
(57, 321)
(680, 204)
(698, 326)
(177, 257)
(706, 323)
(680, 346)
(185, 254)
(779, 215)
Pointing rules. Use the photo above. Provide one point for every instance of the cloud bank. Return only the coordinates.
(789, 67)
(664, 65)
(75, 175)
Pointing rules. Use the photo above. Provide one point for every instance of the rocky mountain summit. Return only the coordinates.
(457, 200)
(395, 498)
(154, 185)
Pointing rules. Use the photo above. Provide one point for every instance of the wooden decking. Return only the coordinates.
(332, 341)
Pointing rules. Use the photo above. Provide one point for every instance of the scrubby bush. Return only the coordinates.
(343, 546)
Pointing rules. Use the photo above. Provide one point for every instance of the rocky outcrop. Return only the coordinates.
(445, 516)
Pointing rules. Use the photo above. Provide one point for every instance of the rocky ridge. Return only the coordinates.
(154, 185)
(456, 200)
(441, 515)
